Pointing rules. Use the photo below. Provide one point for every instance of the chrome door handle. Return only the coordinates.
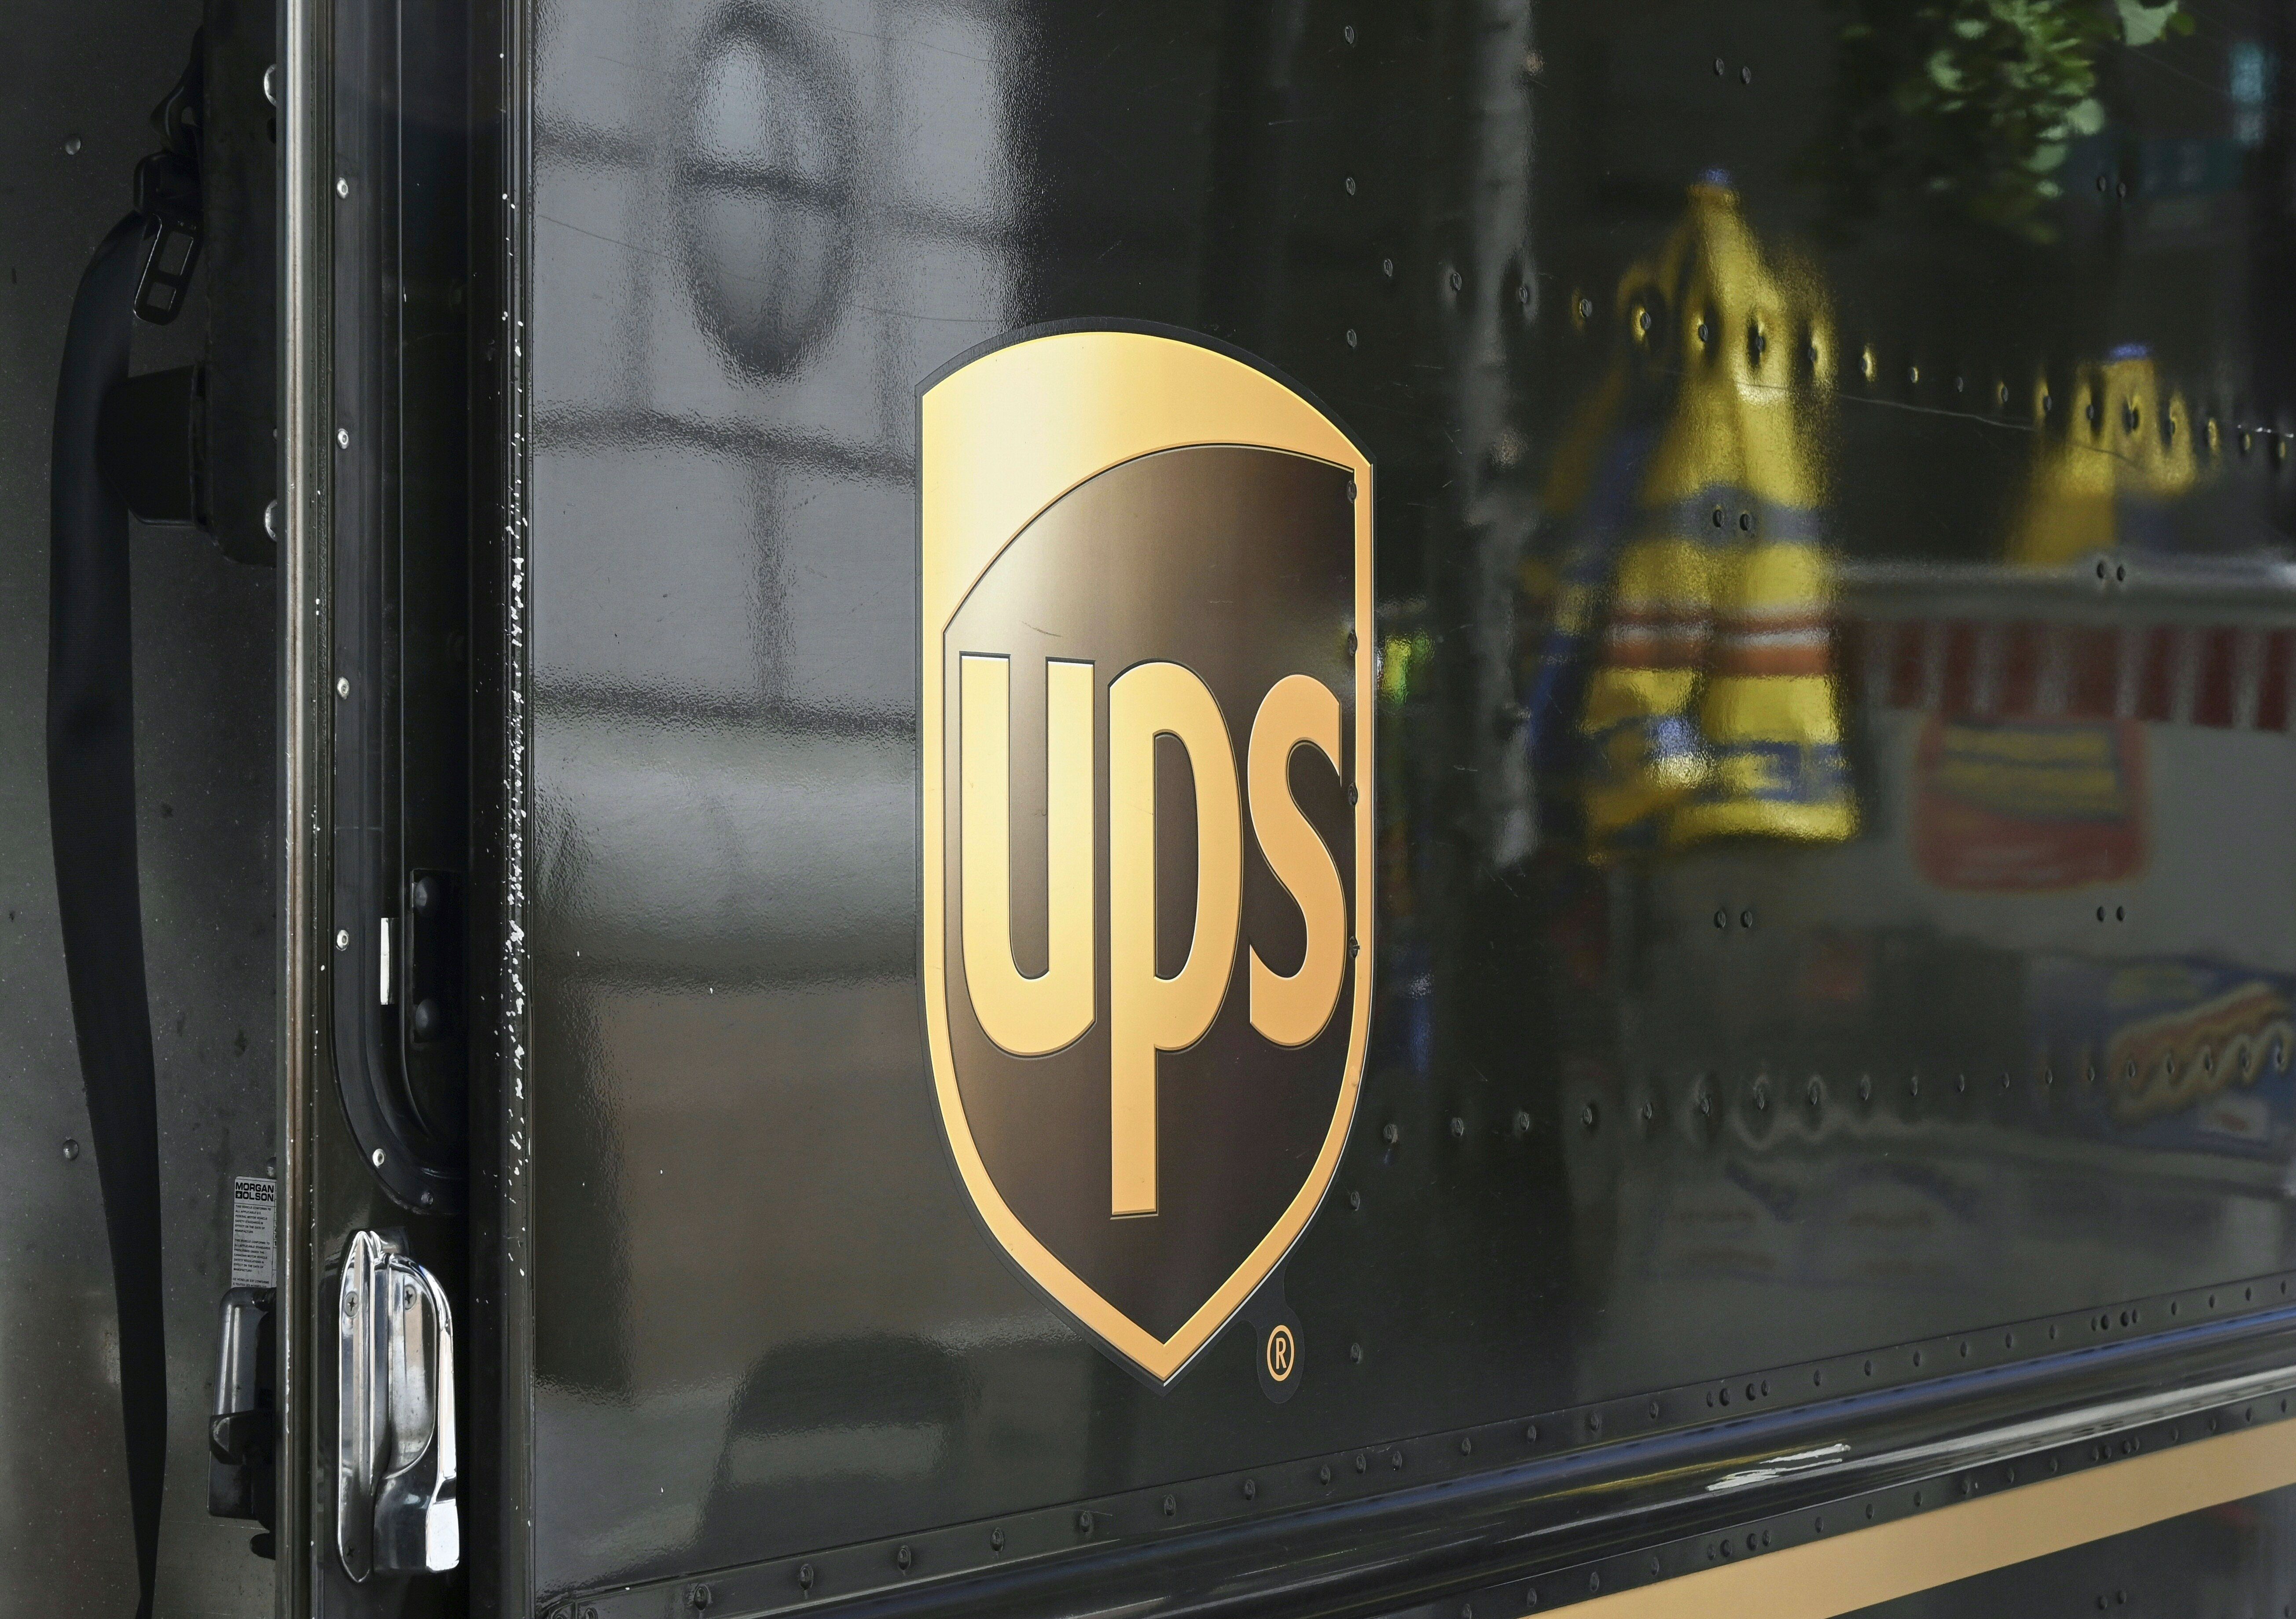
(395, 1416)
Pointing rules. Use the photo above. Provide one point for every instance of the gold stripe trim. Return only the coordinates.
(1852, 1571)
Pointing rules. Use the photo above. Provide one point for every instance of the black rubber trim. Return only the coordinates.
(92, 821)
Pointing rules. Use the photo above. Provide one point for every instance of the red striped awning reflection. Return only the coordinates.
(2223, 677)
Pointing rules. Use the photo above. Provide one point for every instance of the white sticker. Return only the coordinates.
(254, 1231)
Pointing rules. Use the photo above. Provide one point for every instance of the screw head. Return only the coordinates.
(375, 1157)
(342, 186)
(343, 685)
(342, 437)
(343, 938)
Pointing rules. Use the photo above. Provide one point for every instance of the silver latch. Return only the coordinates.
(395, 1416)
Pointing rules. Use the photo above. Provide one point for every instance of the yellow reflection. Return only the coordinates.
(1710, 710)
(2126, 449)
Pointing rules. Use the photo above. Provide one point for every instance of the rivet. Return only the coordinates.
(1586, 309)
(698, 1596)
(1354, 1353)
(1705, 332)
(1745, 76)
(342, 437)
(1588, 1117)
(71, 145)
(71, 1150)
(1745, 917)
(375, 1157)
(1391, 1135)
(1348, 32)
(1350, 183)
(343, 685)
(1171, 1506)
(1324, 1474)
(1593, 1422)
(1653, 1411)
(1387, 268)
(996, 1537)
(342, 939)
(1530, 1433)
(1251, 1488)
(1523, 1124)
(2001, 393)
(1362, 1461)
(1718, 67)
(342, 186)
(1458, 1128)
(1458, 281)
(805, 1575)
(1083, 1523)
(1395, 1458)
(1352, 337)
(904, 1558)
(1466, 1447)
(1643, 320)
(1354, 1200)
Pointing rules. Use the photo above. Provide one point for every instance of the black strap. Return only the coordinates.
(91, 820)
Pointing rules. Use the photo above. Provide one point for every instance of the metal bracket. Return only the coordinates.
(394, 1507)
(242, 1429)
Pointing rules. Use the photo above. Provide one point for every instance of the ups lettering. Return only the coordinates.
(1148, 1013)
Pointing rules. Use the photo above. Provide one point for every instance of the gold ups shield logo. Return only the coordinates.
(1147, 736)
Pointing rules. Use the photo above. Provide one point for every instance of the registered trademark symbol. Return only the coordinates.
(1280, 1353)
